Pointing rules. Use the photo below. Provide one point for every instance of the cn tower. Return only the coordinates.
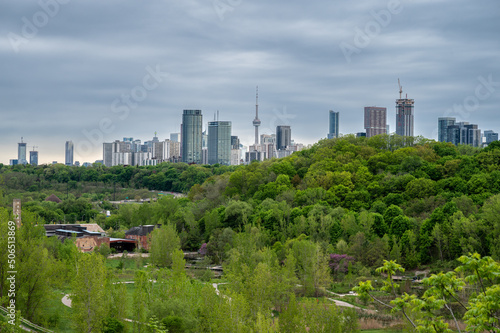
(256, 121)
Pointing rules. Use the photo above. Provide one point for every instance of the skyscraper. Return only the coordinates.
(191, 136)
(219, 142)
(256, 121)
(375, 121)
(489, 137)
(464, 133)
(235, 142)
(334, 125)
(21, 152)
(33, 157)
(283, 137)
(443, 124)
(69, 153)
(404, 115)
(175, 137)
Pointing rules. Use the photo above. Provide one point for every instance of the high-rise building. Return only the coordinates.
(333, 123)
(191, 136)
(489, 137)
(235, 142)
(204, 139)
(175, 137)
(21, 152)
(375, 121)
(283, 137)
(33, 157)
(443, 124)
(69, 153)
(464, 133)
(219, 142)
(404, 115)
(107, 154)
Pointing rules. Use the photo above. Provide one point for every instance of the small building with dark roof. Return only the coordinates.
(142, 234)
(53, 198)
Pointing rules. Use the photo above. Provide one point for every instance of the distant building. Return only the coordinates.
(283, 137)
(489, 136)
(360, 134)
(69, 153)
(266, 138)
(219, 142)
(464, 133)
(174, 150)
(204, 139)
(204, 155)
(443, 124)
(21, 152)
(53, 198)
(88, 237)
(191, 136)
(404, 115)
(175, 137)
(235, 142)
(142, 235)
(375, 121)
(107, 154)
(33, 157)
(235, 156)
(254, 155)
(333, 123)
(13, 162)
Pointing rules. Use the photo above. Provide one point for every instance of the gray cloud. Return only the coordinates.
(64, 80)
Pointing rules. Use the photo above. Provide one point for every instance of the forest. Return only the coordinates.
(288, 232)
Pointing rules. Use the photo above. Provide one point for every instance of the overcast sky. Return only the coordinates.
(93, 71)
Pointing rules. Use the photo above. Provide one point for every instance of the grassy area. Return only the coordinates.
(58, 315)
(125, 268)
(340, 288)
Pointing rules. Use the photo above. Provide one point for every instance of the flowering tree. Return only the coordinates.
(339, 263)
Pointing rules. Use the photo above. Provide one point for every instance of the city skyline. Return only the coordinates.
(100, 71)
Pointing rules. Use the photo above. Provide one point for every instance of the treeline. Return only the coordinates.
(365, 197)
(175, 177)
(379, 198)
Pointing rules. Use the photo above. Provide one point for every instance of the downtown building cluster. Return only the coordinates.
(194, 145)
(134, 152)
(462, 132)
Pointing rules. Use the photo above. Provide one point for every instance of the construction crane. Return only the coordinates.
(400, 89)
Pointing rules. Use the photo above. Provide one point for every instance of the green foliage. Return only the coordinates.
(88, 298)
(443, 289)
(164, 241)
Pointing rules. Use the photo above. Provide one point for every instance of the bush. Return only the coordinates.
(173, 324)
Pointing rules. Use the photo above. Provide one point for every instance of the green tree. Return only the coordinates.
(88, 298)
(141, 300)
(164, 241)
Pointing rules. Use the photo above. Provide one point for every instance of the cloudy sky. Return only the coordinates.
(93, 71)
